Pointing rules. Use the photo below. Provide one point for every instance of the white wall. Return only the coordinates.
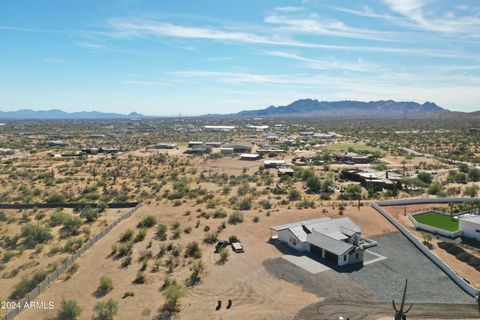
(289, 238)
(469, 229)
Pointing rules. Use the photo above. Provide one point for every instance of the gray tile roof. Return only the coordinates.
(329, 244)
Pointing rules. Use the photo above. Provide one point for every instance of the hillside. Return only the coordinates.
(347, 109)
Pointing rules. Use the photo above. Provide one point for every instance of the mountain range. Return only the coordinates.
(298, 109)
(347, 109)
(62, 115)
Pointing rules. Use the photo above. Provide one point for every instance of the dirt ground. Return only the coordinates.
(256, 292)
(29, 261)
(462, 268)
(243, 278)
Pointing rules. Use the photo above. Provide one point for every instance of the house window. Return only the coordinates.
(345, 258)
(356, 255)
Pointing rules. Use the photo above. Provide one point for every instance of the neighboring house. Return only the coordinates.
(354, 158)
(213, 144)
(374, 178)
(338, 240)
(238, 147)
(192, 144)
(469, 225)
(270, 149)
(166, 145)
(285, 171)
(199, 150)
(219, 128)
(57, 143)
(249, 156)
(7, 151)
(274, 163)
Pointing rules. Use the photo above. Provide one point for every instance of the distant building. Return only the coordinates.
(239, 147)
(250, 156)
(219, 128)
(354, 158)
(227, 151)
(274, 163)
(338, 240)
(7, 151)
(214, 144)
(166, 145)
(58, 143)
(374, 178)
(285, 171)
(192, 144)
(270, 149)
(199, 150)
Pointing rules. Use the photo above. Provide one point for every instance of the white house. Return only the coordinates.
(338, 240)
(470, 226)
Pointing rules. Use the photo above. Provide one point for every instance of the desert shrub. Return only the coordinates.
(245, 204)
(140, 278)
(58, 217)
(219, 214)
(294, 195)
(126, 236)
(224, 254)
(54, 250)
(72, 245)
(162, 232)
(71, 225)
(235, 217)
(140, 235)
(105, 286)
(56, 198)
(35, 233)
(69, 310)
(26, 285)
(147, 222)
(193, 250)
(210, 238)
(105, 310)
(256, 219)
(196, 269)
(266, 204)
(89, 214)
(124, 249)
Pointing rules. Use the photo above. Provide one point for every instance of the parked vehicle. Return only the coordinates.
(237, 247)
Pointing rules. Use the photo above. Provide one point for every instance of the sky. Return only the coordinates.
(190, 57)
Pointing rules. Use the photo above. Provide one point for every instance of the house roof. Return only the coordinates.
(471, 218)
(323, 241)
(336, 229)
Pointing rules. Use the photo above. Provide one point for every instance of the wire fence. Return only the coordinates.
(25, 302)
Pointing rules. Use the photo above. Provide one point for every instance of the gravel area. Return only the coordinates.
(426, 282)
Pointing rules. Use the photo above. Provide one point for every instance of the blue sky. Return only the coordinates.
(211, 56)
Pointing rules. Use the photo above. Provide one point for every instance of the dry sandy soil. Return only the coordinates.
(257, 293)
(462, 268)
(29, 261)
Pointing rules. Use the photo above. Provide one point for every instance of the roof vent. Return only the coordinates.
(305, 228)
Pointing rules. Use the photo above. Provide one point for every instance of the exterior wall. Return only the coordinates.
(470, 229)
(343, 259)
(352, 258)
(289, 238)
(434, 230)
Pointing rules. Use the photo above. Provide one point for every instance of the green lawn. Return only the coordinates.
(438, 220)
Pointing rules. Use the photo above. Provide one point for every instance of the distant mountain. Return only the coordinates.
(62, 115)
(347, 109)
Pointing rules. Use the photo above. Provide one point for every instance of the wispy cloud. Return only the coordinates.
(91, 45)
(313, 23)
(328, 64)
(138, 28)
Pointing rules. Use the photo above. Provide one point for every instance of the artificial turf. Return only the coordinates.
(438, 220)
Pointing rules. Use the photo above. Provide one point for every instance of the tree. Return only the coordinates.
(463, 167)
(425, 177)
(105, 310)
(69, 310)
(353, 191)
(314, 184)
